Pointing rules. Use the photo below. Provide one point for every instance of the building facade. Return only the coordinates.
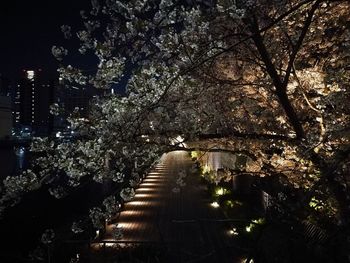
(5, 117)
(70, 97)
(33, 97)
(5, 87)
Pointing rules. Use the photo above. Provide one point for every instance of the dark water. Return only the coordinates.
(11, 159)
(22, 225)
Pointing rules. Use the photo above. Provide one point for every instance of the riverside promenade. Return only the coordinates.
(185, 222)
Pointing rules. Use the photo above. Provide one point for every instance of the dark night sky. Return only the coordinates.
(28, 30)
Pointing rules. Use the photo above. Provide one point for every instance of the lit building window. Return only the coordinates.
(30, 74)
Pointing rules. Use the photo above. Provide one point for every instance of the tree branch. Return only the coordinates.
(276, 80)
(253, 136)
(299, 43)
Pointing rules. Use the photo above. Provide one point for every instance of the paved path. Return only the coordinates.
(184, 221)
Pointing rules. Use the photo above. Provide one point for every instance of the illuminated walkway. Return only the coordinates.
(184, 221)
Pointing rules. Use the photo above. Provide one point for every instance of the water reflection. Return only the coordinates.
(21, 154)
(12, 160)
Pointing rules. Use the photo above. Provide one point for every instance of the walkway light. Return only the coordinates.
(220, 191)
(248, 228)
(233, 232)
(215, 204)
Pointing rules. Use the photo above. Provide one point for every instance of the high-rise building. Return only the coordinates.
(5, 116)
(5, 107)
(33, 97)
(4, 86)
(70, 97)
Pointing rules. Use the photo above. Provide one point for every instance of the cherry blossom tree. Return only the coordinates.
(266, 79)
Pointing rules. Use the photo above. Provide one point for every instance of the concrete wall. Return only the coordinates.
(5, 117)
